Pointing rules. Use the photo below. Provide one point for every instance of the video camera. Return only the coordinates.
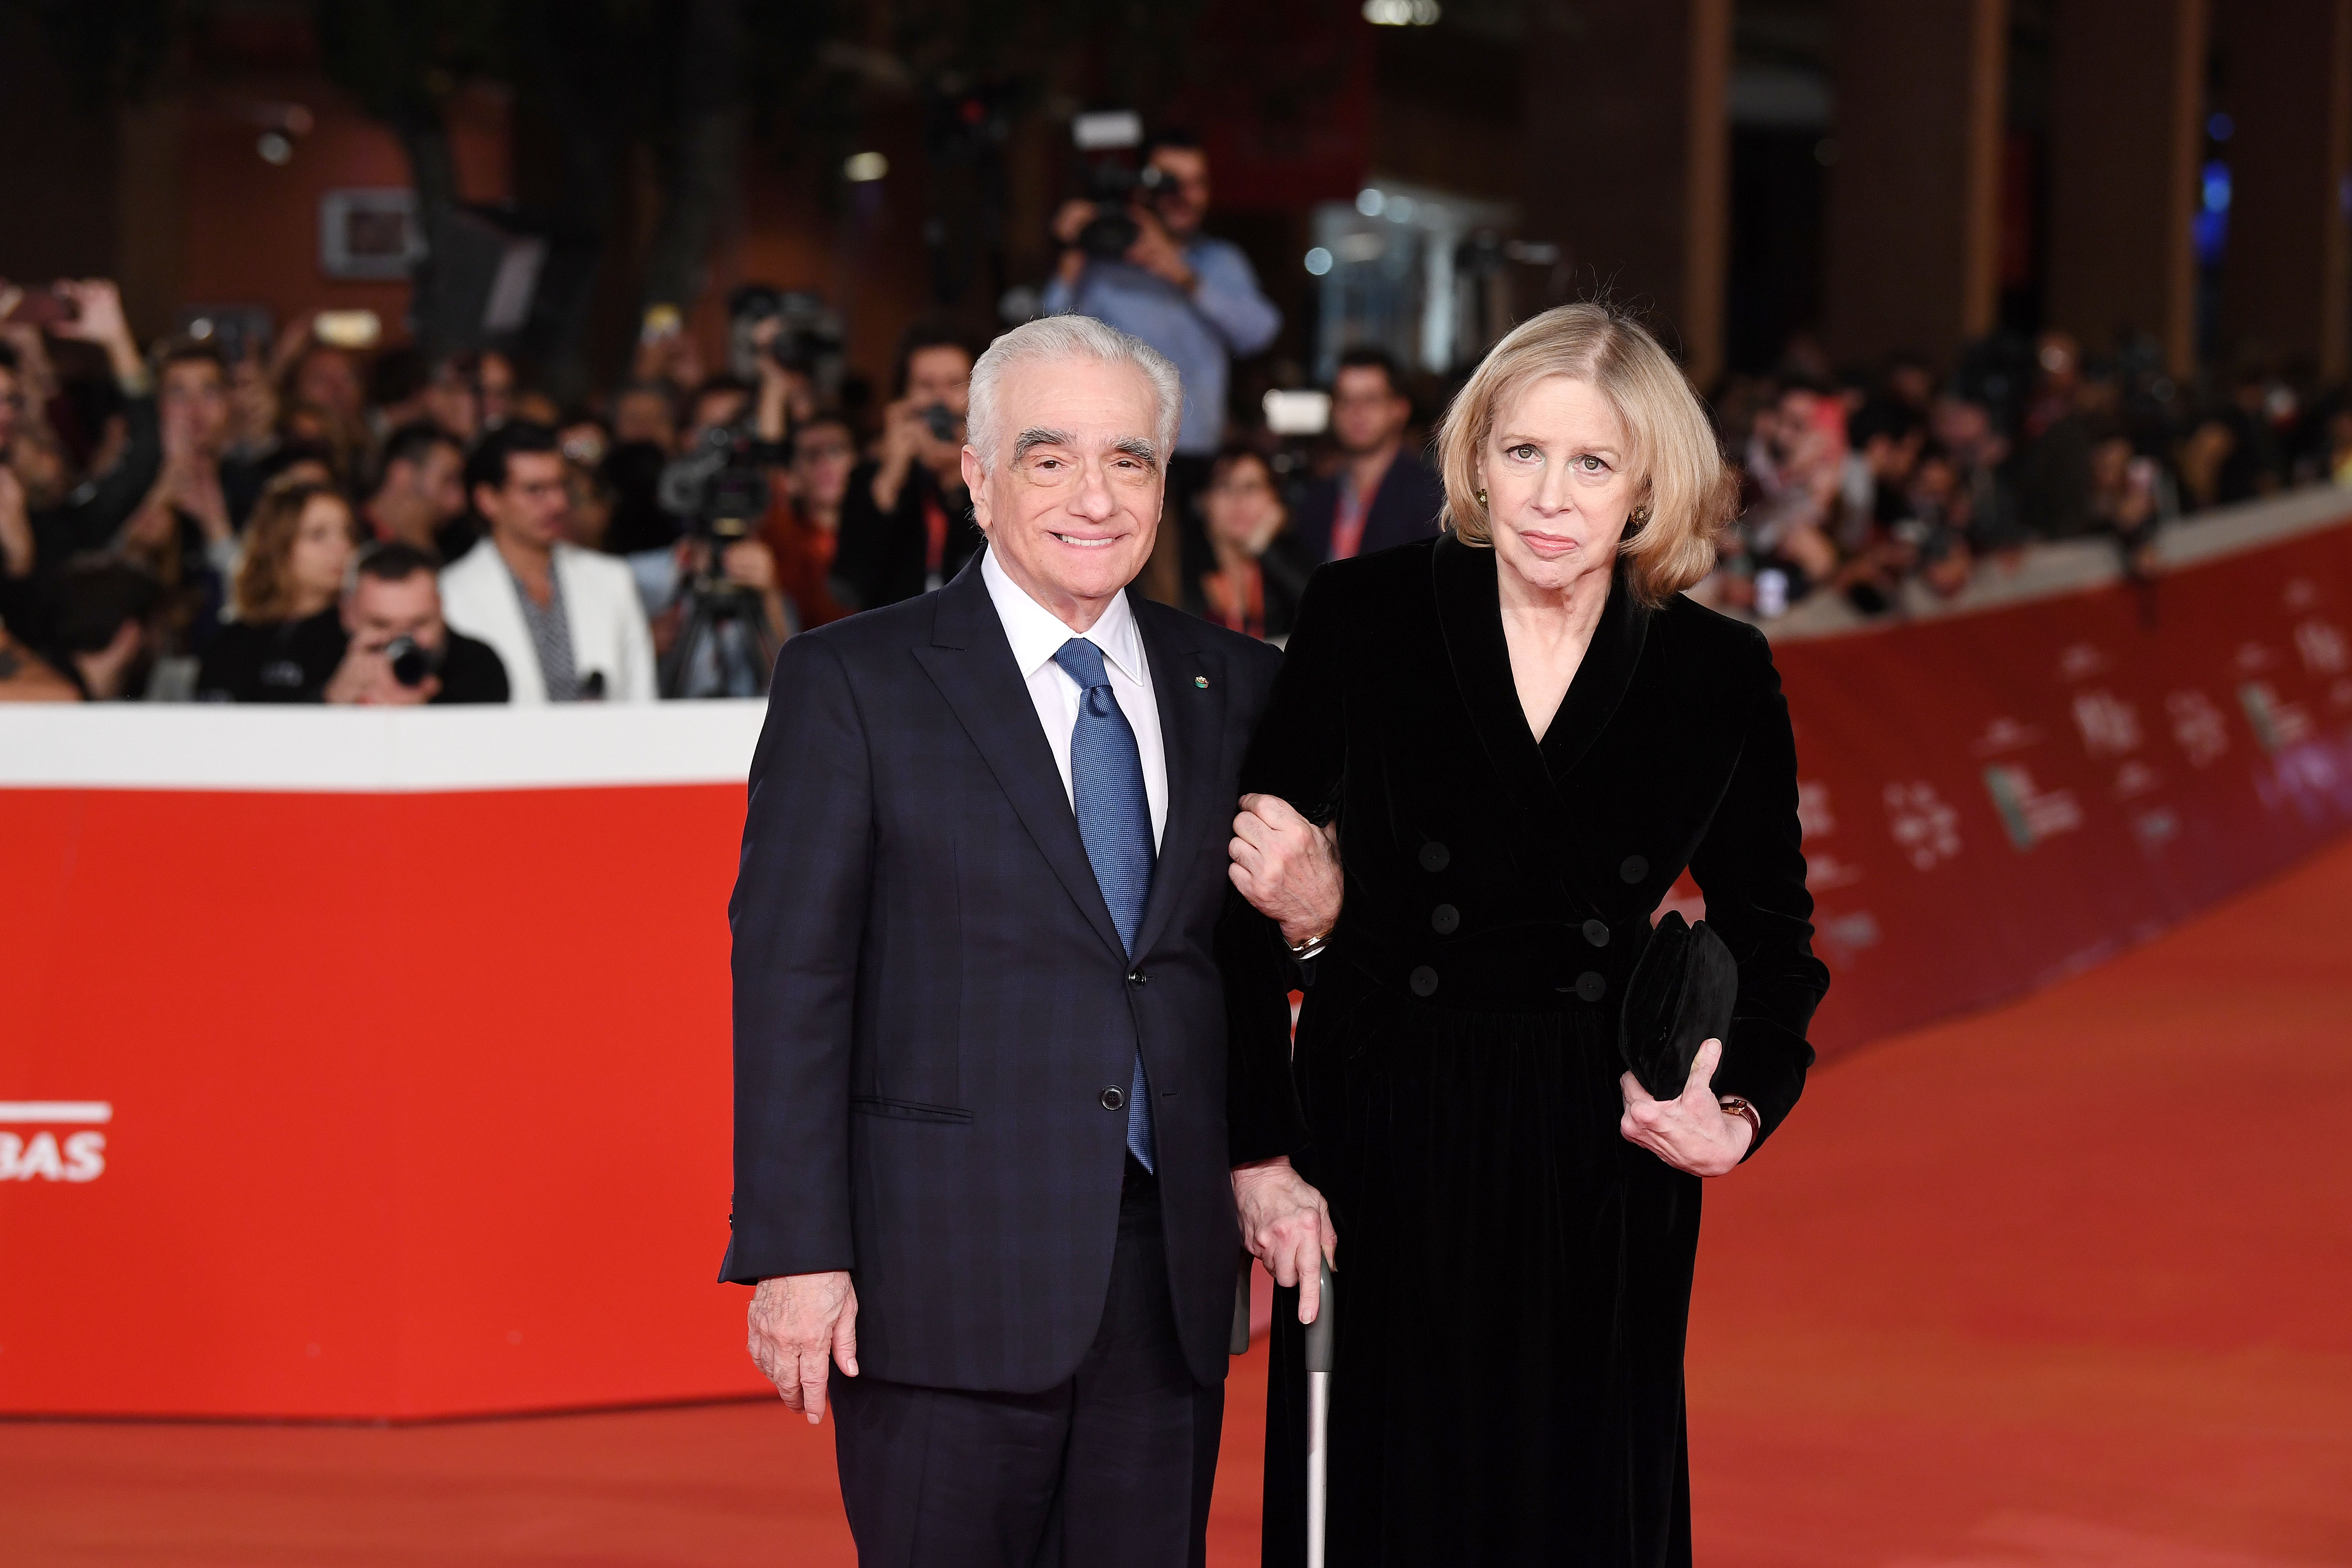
(720, 491)
(809, 341)
(1114, 178)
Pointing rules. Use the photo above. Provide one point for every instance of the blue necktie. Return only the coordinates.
(1115, 822)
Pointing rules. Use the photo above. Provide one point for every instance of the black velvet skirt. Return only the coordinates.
(1514, 1284)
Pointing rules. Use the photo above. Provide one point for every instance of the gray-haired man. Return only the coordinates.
(980, 1164)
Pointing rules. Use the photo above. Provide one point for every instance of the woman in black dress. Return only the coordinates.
(287, 637)
(1254, 576)
(1519, 735)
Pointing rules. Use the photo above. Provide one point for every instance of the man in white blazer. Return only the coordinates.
(566, 621)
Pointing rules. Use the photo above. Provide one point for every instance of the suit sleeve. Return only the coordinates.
(1751, 867)
(798, 916)
(1298, 752)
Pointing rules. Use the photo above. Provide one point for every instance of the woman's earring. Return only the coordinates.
(1640, 515)
(1482, 500)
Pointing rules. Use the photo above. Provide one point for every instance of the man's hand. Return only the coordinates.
(1287, 1225)
(1156, 252)
(1691, 1133)
(798, 1322)
(364, 680)
(97, 319)
(1287, 867)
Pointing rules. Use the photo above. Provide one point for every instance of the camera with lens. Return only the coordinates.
(1114, 179)
(807, 343)
(412, 664)
(719, 491)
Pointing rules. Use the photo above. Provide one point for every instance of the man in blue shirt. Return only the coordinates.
(1193, 298)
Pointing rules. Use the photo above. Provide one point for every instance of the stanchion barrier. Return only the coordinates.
(377, 1063)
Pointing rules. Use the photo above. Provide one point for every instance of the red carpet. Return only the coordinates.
(2064, 1286)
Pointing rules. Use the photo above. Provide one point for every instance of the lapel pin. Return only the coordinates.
(1201, 681)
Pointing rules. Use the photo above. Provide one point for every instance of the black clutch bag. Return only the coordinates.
(1680, 995)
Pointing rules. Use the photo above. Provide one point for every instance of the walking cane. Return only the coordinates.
(1322, 1336)
(1239, 1344)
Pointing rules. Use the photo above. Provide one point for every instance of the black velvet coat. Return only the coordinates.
(1514, 1277)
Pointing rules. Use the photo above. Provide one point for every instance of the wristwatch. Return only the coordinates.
(1734, 1105)
(1301, 952)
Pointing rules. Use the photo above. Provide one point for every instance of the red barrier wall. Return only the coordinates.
(418, 1101)
(1997, 800)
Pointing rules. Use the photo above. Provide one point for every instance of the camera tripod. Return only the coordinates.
(724, 646)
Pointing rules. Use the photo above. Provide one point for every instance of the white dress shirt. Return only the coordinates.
(1037, 634)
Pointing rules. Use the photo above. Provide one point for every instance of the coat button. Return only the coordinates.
(1634, 869)
(1114, 1098)
(1597, 933)
(1136, 978)
(1444, 919)
(1423, 981)
(1435, 857)
(1592, 986)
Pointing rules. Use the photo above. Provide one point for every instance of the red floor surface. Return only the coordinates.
(2065, 1286)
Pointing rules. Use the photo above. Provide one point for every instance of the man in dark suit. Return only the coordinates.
(980, 1161)
(1382, 494)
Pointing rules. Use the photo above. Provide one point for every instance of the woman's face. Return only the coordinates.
(1243, 510)
(323, 550)
(1556, 470)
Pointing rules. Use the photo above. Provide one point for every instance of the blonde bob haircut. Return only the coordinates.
(1685, 493)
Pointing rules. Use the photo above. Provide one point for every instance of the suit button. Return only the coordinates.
(1114, 1098)
(1435, 857)
(1592, 986)
(1444, 919)
(1136, 978)
(1597, 933)
(1634, 869)
(1423, 981)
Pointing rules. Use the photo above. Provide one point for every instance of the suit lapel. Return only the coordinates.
(972, 663)
(1470, 614)
(1188, 683)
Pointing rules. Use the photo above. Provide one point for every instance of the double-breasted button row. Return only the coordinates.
(1444, 919)
(1634, 869)
(1435, 857)
(1597, 933)
(1423, 981)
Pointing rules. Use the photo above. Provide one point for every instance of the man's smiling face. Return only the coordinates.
(1071, 503)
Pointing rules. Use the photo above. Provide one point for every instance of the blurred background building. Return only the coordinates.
(2160, 176)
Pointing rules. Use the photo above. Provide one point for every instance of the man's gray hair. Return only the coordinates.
(1060, 338)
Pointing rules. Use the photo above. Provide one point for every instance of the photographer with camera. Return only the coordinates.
(399, 652)
(1157, 276)
(905, 523)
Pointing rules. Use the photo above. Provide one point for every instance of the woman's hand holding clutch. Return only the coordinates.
(1692, 1131)
(1287, 1225)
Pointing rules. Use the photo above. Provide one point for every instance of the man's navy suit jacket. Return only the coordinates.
(930, 998)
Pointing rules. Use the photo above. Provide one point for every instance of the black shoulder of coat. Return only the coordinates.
(1725, 651)
(905, 624)
(1382, 579)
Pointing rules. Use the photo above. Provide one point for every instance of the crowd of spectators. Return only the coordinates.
(311, 523)
(1898, 487)
(305, 521)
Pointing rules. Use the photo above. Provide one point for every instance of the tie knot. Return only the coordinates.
(1083, 662)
